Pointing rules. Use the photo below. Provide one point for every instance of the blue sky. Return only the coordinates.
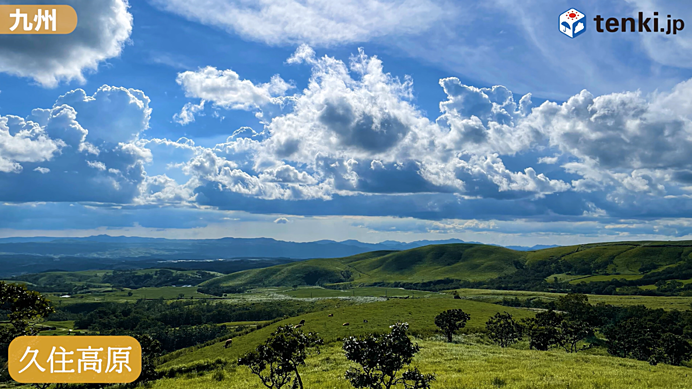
(366, 119)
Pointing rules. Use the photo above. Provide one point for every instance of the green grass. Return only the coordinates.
(318, 292)
(419, 313)
(462, 261)
(113, 295)
(598, 278)
(471, 262)
(654, 302)
(472, 366)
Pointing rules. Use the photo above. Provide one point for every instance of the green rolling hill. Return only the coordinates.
(470, 262)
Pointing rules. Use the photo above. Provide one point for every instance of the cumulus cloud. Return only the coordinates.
(353, 142)
(82, 146)
(22, 141)
(355, 129)
(103, 28)
(318, 22)
(225, 89)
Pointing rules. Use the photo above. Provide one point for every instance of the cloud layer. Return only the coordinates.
(317, 22)
(353, 142)
(104, 27)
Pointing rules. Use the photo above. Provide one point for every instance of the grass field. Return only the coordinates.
(665, 302)
(471, 262)
(113, 295)
(468, 365)
(419, 313)
(316, 292)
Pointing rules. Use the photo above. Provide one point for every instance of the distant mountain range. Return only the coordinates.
(225, 248)
(37, 254)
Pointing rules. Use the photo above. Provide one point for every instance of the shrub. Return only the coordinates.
(451, 321)
(381, 357)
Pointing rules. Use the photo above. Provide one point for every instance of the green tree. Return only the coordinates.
(672, 349)
(276, 361)
(571, 332)
(151, 349)
(381, 357)
(25, 309)
(503, 329)
(451, 321)
(632, 338)
(576, 306)
(22, 309)
(543, 330)
(672, 286)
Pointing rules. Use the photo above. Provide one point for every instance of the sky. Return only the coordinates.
(360, 119)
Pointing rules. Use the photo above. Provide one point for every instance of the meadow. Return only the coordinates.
(419, 313)
(468, 364)
(654, 302)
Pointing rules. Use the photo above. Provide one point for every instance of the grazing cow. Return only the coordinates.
(345, 324)
(331, 315)
(297, 326)
(302, 322)
(365, 320)
(228, 343)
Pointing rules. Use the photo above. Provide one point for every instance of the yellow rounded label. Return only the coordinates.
(37, 19)
(75, 359)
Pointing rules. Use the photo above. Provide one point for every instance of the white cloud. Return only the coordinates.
(111, 114)
(22, 141)
(355, 129)
(85, 142)
(315, 22)
(104, 27)
(225, 89)
(187, 114)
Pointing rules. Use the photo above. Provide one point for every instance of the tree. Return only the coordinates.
(451, 321)
(381, 357)
(672, 349)
(543, 330)
(672, 286)
(23, 309)
(576, 306)
(571, 332)
(151, 349)
(276, 361)
(503, 329)
(26, 308)
(632, 338)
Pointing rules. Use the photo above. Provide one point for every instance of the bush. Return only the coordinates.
(381, 357)
(503, 330)
(276, 361)
(451, 321)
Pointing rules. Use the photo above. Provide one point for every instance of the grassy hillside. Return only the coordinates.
(469, 362)
(419, 313)
(471, 262)
(462, 261)
(466, 366)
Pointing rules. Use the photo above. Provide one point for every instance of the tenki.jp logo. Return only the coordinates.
(573, 23)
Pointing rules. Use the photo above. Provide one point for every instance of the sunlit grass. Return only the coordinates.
(473, 366)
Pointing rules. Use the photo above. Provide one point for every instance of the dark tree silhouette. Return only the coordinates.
(571, 332)
(503, 329)
(543, 330)
(276, 361)
(451, 321)
(24, 309)
(381, 357)
(673, 349)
